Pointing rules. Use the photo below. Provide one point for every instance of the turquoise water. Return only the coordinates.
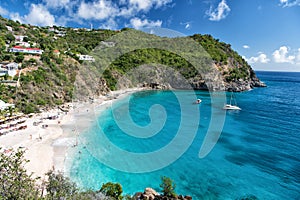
(258, 152)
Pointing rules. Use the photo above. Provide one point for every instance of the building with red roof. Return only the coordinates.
(20, 49)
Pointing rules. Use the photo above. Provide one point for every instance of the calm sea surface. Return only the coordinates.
(258, 152)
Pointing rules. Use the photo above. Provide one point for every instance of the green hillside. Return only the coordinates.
(48, 80)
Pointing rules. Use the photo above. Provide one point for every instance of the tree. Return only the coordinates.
(59, 187)
(10, 37)
(19, 58)
(112, 190)
(15, 182)
(168, 186)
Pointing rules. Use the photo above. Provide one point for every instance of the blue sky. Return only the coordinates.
(265, 32)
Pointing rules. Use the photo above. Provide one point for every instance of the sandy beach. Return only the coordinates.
(46, 144)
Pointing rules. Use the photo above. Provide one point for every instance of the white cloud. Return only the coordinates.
(130, 8)
(57, 3)
(109, 24)
(187, 25)
(108, 12)
(3, 11)
(161, 3)
(246, 47)
(138, 23)
(141, 4)
(146, 5)
(261, 58)
(289, 3)
(38, 15)
(281, 55)
(99, 10)
(16, 17)
(219, 13)
(298, 57)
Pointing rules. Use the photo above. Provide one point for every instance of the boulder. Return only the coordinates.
(187, 197)
(150, 194)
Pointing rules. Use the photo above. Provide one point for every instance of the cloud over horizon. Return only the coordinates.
(281, 55)
(138, 23)
(261, 58)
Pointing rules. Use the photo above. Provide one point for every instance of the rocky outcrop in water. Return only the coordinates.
(151, 194)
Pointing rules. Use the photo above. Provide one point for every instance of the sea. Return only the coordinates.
(209, 153)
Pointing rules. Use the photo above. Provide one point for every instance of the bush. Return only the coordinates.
(19, 58)
(30, 108)
(168, 186)
(112, 190)
(59, 187)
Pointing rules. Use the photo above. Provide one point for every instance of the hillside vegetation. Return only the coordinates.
(48, 80)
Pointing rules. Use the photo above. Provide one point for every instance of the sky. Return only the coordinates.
(265, 32)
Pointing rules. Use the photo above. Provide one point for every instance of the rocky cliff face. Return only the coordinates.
(163, 78)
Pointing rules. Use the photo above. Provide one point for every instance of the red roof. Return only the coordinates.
(19, 47)
(33, 49)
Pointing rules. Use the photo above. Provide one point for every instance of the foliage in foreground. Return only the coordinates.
(15, 183)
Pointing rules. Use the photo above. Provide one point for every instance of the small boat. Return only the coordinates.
(230, 106)
(198, 101)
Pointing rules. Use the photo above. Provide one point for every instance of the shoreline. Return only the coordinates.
(49, 148)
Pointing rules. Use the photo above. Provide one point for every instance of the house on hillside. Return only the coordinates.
(4, 105)
(56, 52)
(20, 38)
(9, 69)
(26, 50)
(9, 28)
(23, 44)
(86, 57)
(51, 29)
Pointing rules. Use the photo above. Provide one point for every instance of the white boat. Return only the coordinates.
(230, 106)
(198, 101)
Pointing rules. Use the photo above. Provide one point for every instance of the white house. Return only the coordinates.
(9, 69)
(4, 105)
(86, 57)
(20, 38)
(3, 71)
(51, 29)
(9, 28)
(26, 50)
(23, 44)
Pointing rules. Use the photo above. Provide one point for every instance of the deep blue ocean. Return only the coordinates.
(258, 152)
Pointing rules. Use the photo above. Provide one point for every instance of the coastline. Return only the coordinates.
(49, 148)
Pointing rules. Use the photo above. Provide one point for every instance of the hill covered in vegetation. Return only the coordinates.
(48, 79)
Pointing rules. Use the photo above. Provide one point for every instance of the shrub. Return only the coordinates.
(112, 190)
(59, 187)
(168, 186)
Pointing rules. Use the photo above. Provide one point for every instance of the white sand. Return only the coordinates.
(49, 152)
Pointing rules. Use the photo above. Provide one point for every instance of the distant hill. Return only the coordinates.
(48, 80)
